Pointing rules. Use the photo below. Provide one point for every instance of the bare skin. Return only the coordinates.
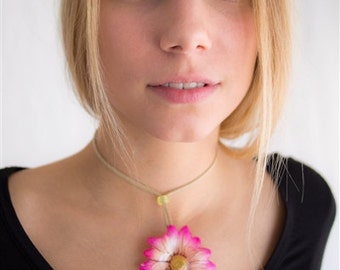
(81, 216)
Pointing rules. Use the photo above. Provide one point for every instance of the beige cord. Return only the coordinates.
(162, 199)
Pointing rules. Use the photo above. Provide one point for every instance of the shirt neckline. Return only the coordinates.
(34, 256)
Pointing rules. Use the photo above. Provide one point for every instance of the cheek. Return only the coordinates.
(120, 39)
(239, 62)
(241, 57)
(244, 51)
(243, 45)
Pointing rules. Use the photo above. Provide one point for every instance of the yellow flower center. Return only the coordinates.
(179, 262)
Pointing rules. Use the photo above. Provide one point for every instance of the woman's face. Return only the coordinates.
(176, 69)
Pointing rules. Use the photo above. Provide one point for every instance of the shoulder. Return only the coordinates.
(310, 212)
(301, 185)
(16, 249)
(33, 191)
(5, 174)
(310, 204)
(5, 200)
(37, 193)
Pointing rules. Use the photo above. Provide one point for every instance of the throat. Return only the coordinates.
(162, 197)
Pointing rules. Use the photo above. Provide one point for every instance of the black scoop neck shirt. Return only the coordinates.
(310, 212)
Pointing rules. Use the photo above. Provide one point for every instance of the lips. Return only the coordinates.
(184, 91)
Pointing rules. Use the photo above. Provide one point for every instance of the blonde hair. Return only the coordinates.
(79, 26)
(257, 114)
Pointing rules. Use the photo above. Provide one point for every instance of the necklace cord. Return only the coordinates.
(162, 198)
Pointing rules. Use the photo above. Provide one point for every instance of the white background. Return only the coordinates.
(41, 120)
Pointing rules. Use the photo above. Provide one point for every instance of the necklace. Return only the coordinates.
(176, 249)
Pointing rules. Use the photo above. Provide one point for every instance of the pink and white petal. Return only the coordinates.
(163, 244)
(201, 254)
(190, 246)
(157, 255)
(155, 242)
(166, 243)
(171, 239)
(172, 231)
(146, 265)
(185, 232)
(188, 239)
(188, 243)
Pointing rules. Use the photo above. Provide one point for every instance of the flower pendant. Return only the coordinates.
(177, 250)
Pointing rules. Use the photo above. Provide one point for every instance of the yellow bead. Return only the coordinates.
(179, 262)
(163, 199)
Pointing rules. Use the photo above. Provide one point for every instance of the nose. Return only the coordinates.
(185, 27)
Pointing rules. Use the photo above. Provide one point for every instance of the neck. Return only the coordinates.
(162, 165)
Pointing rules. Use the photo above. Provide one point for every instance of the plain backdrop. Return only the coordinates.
(41, 121)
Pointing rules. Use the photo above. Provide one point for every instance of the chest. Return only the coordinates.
(95, 245)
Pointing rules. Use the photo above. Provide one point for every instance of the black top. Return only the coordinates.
(310, 212)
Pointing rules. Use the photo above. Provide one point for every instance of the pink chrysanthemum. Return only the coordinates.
(177, 250)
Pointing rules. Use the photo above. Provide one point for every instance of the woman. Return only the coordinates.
(167, 80)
